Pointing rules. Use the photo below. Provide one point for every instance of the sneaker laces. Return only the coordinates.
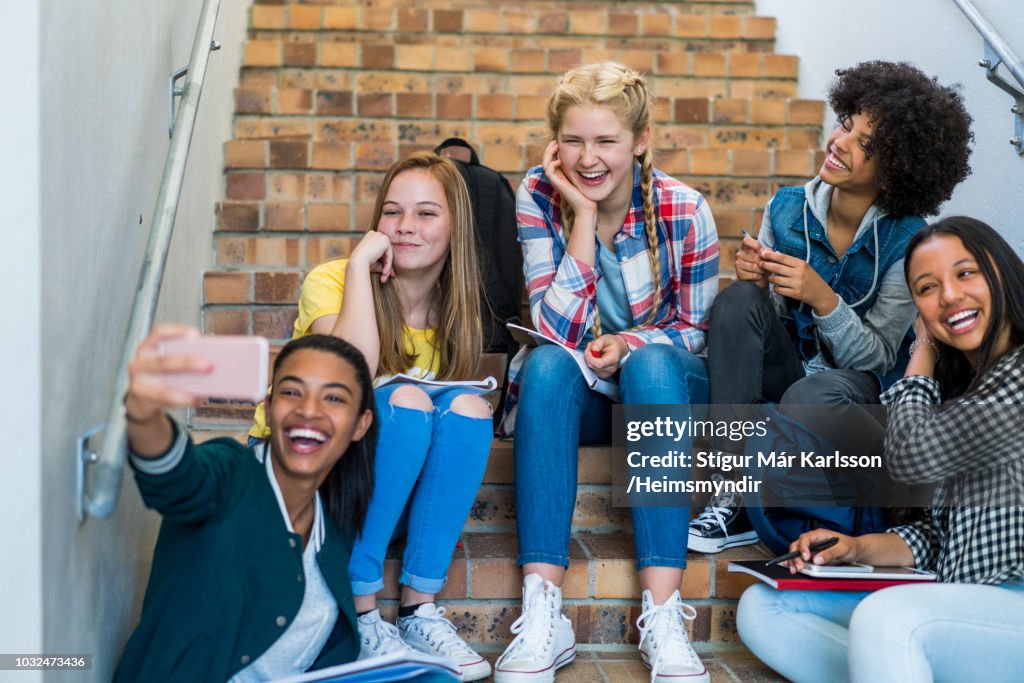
(388, 638)
(712, 516)
(666, 626)
(440, 633)
(536, 623)
(717, 508)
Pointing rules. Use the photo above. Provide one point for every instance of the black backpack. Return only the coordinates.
(498, 251)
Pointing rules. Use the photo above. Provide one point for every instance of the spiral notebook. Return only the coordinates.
(528, 337)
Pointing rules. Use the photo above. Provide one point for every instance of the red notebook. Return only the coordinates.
(779, 577)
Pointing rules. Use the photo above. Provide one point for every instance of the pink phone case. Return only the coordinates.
(239, 366)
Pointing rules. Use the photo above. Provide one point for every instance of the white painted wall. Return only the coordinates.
(21, 586)
(938, 38)
(84, 137)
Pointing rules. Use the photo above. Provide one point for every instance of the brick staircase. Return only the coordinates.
(332, 92)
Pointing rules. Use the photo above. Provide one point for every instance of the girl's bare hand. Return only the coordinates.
(375, 252)
(748, 263)
(845, 550)
(147, 395)
(604, 354)
(556, 176)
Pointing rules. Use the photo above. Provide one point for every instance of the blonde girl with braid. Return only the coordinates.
(621, 261)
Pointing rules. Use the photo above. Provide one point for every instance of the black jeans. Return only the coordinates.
(751, 359)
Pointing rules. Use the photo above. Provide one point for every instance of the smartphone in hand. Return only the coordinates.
(239, 366)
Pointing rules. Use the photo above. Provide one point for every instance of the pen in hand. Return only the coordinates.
(746, 233)
(814, 548)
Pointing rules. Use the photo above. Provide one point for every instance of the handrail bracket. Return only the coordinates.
(998, 53)
(84, 456)
(174, 92)
(991, 64)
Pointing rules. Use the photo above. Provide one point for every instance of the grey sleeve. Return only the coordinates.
(871, 344)
(766, 237)
(169, 460)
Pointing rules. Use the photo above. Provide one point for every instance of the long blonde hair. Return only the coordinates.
(456, 293)
(623, 91)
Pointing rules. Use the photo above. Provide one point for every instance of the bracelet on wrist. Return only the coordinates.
(924, 341)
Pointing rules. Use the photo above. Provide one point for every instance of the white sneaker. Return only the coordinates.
(428, 631)
(544, 641)
(664, 647)
(377, 637)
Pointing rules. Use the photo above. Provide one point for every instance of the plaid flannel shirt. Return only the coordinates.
(563, 290)
(974, 449)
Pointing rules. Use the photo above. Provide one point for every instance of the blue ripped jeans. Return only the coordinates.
(430, 464)
(557, 412)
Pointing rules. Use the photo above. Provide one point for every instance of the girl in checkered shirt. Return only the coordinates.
(955, 422)
(621, 263)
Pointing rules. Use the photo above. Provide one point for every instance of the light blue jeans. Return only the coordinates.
(429, 465)
(905, 634)
(558, 412)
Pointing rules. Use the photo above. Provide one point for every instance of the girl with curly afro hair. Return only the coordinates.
(821, 314)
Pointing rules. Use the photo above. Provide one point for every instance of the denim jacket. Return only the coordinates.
(870, 329)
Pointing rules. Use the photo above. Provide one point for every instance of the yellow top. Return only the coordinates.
(322, 292)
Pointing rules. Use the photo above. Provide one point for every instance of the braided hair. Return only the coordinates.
(624, 91)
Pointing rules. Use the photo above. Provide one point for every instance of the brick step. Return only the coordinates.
(414, 8)
(258, 252)
(535, 54)
(734, 22)
(495, 510)
(551, 4)
(769, 150)
(766, 76)
(601, 588)
(270, 210)
(275, 322)
(484, 108)
(725, 662)
(322, 147)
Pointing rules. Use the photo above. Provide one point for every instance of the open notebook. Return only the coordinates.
(861, 578)
(529, 337)
(485, 384)
(400, 666)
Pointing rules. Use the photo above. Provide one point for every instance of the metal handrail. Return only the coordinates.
(998, 52)
(98, 494)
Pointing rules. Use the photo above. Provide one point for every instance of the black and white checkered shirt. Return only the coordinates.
(973, 448)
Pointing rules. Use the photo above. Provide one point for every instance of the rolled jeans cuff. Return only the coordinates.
(422, 585)
(367, 587)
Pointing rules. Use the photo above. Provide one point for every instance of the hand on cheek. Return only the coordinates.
(556, 176)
